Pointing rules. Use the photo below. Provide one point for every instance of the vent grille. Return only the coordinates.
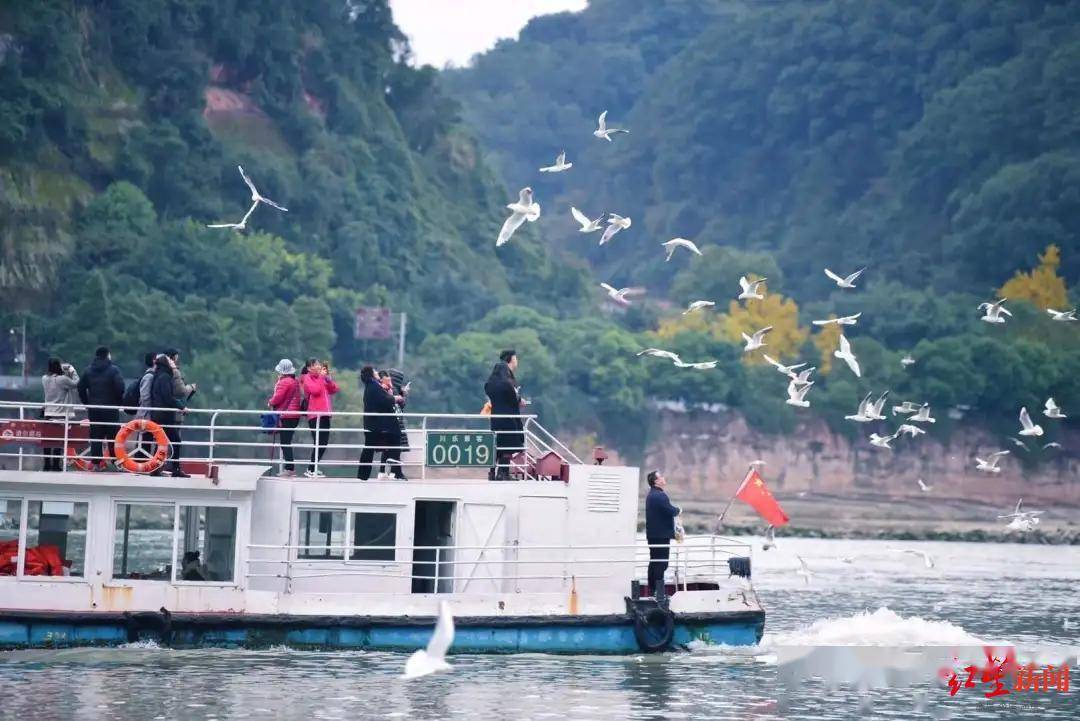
(602, 494)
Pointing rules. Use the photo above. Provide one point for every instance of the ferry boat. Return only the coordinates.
(242, 554)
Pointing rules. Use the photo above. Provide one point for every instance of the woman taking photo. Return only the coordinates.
(60, 385)
(286, 401)
(318, 388)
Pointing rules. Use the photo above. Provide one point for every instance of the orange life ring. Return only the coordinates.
(153, 463)
(80, 460)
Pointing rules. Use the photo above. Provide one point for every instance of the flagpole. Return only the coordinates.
(720, 519)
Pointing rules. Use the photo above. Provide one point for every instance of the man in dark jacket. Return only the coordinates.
(502, 390)
(102, 384)
(381, 432)
(659, 529)
(163, 396)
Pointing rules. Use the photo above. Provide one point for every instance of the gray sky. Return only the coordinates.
(451, 31)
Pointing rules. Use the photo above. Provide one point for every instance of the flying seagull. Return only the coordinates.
(990, 465)
(676, 243)
(1062, 315)
(770, 539)
(862, 414)
(907, 361)
(848, 282)
(615, 224)
(701, 365)
(524, 209)
(698, 305)
(1051, 444)
(910, 430)
(587, 226)
(433, 658)
(255, 196)
(1018, 513)
(1052, 410)
(1028, 427)
(847, 356)
(237, 226)
(881, 441)
(804, 375)
(845, 320)
(755, 341)
(923, 415)
(804, 570)
(993, 311)
(619, 294)
(797, 394)
(1022, 520)
(786, 370)
(906, 408)
(603, 131)
(923, 487)
(750, 288)
(658, 353)
(928, 560)
(1019, 443)
(559, 166)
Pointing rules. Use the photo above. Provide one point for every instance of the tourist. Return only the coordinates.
(286, 401)
(167, 410)
(60, 385)
(101, 390)
(393, 381)
(146, 438)
(381, 429)
(318, 388)
(659, 530)
(502, 390)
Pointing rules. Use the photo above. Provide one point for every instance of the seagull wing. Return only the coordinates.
(579, 217)
(611, 290)
(1000, 453)
(602, 122)
(1025, 419)
(243, 221)
(851, 278)
(444, 633)
(771, 361)
(272, 204)
(223, 225)
(254, 193)
(834, 276)
(759, 334)
(512, 224)
(609, 233)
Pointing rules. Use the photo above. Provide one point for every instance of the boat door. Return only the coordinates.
(542, 521)
(433, 529)
(480, 555)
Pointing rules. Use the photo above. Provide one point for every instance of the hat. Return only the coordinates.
(285, 367)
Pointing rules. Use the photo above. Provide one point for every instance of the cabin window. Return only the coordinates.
(206, 546)
(10, 513)
(55, 538)
(322, 533)
(143, 541)
(373, 529)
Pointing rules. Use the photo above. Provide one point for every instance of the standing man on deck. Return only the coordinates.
(503, 392)
(659, 529)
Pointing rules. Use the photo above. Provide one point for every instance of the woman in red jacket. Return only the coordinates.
(286, 401)
(318, 388)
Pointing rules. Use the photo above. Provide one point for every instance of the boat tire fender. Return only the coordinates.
(654, 628)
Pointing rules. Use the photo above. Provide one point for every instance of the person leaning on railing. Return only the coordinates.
(286, 401)
(167, 411)
(60, 386)
(318, 388)
(102, 384)
(381, 429)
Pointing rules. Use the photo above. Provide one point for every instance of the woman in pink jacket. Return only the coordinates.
(318, 387)
(286, 401)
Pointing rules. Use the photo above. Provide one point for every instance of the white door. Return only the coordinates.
(542, 521)
(480, 555)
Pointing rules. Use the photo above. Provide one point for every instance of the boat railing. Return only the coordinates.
(454, 567)
(429, 445)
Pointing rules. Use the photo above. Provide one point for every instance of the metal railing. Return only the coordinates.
(28, 441)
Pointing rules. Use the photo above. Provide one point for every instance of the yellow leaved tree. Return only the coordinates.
(703, 322)
(827, 341)
(1042, 287)
(786, 336)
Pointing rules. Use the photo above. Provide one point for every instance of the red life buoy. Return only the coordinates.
(153, 463)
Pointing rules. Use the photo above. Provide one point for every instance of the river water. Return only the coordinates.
(975, 593)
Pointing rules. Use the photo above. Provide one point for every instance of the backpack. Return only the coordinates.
(131, 397)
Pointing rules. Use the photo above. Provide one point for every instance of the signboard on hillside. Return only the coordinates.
(372, 324)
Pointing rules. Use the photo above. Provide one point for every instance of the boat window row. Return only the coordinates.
(151, 541)
(323, 534)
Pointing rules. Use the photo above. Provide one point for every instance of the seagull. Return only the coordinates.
(910, 430)
(676, 243)
(797, 394)
(750, 288)
(1052, 410)
(1029, 428)
(848, 282)
(786, 370)
(847, 356)
(873, 410)
(701, 365)
(804, 570)
(928, 560)
(619, 295)
(923, 487)
(658, 353)
(255, 196)
(755, 341)
(845, 320)
(881, 441)
(559, 166)
(524, 209)
(1019, 443)
(907, 360)
(587, 226)
(862, 414)
(770, 540)
(1051, 444)
(906, 408)
(804, 375)
(990, 465)
(237, 226)
(923, 415)
(1062, 315)
(1024, 525)
(994, 311)
(433, 658)
(603, 131)
(1018, 513)
(615, 224)
(698, 305)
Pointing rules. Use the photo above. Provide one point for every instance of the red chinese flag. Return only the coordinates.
(757, 495)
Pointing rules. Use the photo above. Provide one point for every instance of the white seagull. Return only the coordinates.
(1019, 443)
(874, 410)
(255, 196)
(910, 430)
(928, 560)
(587, 226)
(804, 375)
(659, 353)
(881, 441)
(990, 465)
(1022, 520)
(1051, 444)
(907, 360)
(615, 224)
(619, 294)
(923, 487)
(1052, 410)
(770, 540)
(1028, 427)
(700, 365)
(603, 131)
(804, 570)
(1062, 315)
(698, 305)
(797, 394)
(786, 370)
(844, 320)
(993, 311)
(750, 288)
(524, 209)
(236, 226)
(848, 282)
(559, 166)
(906, 408)
(923, 415)
(433, 658)
(676, 243)
(755, 341)
(847, 356)
(862, 414)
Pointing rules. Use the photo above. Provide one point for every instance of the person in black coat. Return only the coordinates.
(381, 432)
(393, 380)
(502, 390)
(163, 400)
(659, 529)
(102, 384)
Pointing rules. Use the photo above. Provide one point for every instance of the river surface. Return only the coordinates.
(1024, 595)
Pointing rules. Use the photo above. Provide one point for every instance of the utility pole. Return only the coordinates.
(400, 342)
(25, 374)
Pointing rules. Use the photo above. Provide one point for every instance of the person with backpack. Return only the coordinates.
(167, 411)
(59, 386)
(393, 381)
(285, 400)
(318, 388)
(102, 385)
(137, 403)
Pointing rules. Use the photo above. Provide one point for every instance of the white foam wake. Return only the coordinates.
(882, 627)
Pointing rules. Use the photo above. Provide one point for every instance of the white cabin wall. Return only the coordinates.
(603, 511)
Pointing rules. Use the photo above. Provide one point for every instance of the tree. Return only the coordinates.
(786, 337)
(1043, 287)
